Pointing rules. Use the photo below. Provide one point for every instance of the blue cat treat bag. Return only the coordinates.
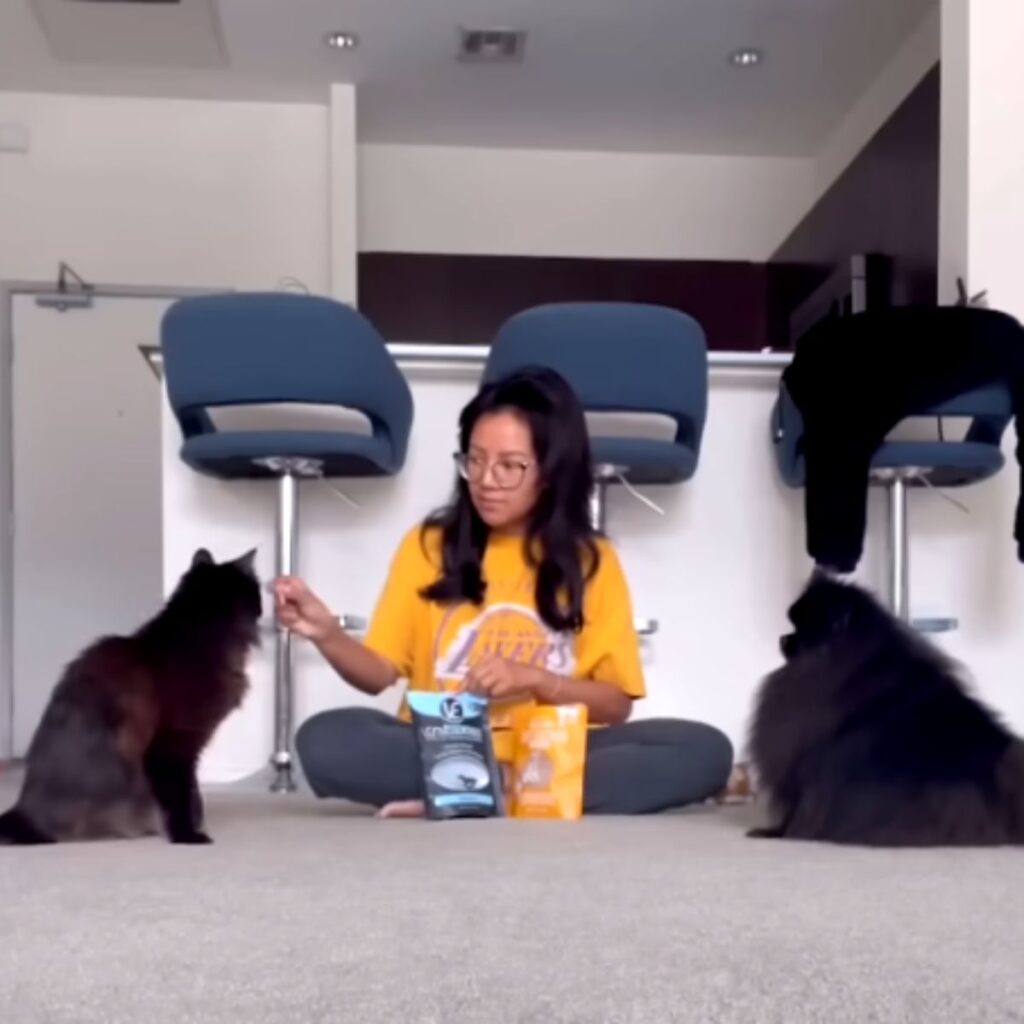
(461, 778)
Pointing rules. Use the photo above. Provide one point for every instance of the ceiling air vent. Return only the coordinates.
(491, 45)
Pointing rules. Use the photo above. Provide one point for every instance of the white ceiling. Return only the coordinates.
(644, 75)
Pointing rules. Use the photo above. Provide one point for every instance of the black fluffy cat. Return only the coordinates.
(867, 735)
(118, 744)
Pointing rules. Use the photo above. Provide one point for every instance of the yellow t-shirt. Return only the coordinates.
(432, 645)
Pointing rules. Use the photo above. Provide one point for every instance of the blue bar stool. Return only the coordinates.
(619, 358)
(274, 348)
(898, 465)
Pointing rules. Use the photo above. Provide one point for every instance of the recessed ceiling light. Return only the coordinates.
(746, 57)
(341, 40)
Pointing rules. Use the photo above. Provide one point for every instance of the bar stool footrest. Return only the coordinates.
(935, 624)
(283, 780)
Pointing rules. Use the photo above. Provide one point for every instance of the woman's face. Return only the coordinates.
(502, 472)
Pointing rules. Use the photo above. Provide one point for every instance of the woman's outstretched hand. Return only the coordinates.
(301, 611)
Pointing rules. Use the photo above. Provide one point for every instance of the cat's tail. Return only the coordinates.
(17, 830)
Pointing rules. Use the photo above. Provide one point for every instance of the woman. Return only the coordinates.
(508, 592)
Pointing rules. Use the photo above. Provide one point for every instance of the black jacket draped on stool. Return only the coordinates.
(854, 378)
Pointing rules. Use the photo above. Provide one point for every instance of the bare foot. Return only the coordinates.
(403, 809)
(740, 787)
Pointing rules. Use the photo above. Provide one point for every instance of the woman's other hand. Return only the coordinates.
(500, 679)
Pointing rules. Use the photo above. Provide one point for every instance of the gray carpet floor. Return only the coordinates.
(311, 912)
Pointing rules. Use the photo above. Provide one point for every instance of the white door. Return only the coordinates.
(87, 492)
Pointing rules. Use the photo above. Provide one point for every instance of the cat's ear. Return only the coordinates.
(202, 557)
(247, 563)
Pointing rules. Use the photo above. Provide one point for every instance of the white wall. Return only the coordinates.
(438, 199)
(982, 211)
(169, 192)
(270, 194)
(954, 150)
(995, 151)
(243, 194)
(547, 203)
(343, 194)
(983, 172)
(878, 102)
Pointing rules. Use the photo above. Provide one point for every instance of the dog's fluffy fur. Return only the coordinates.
(868, 736)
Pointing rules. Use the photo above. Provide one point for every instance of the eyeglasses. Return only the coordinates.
(507, 473)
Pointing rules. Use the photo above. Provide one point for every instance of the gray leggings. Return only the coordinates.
(366, 756)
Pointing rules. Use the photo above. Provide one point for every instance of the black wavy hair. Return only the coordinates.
(560, 540)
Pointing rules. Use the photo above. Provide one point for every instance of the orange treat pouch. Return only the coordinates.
(504, 716)
(551, 751)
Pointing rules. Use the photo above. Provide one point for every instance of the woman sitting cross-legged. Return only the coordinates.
(509, 592)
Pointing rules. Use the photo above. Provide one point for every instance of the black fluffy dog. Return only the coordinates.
(868, 736)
